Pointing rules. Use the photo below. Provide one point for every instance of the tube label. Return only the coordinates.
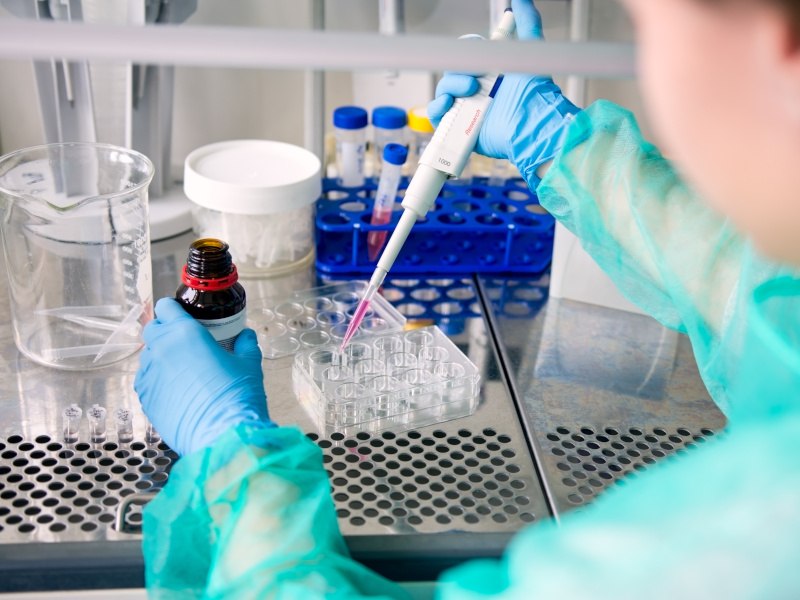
(225, 331)
(351, 163)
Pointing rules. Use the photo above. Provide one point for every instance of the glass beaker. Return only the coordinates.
(76, 239)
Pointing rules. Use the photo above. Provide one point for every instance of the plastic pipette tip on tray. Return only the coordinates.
(358, 316)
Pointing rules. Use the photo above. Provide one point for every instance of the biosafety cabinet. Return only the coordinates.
(576, 391)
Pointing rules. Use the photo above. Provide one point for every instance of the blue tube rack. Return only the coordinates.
(438, 299)
(475, 228)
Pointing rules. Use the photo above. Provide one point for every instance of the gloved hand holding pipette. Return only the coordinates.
(446, 156)
(529, 115)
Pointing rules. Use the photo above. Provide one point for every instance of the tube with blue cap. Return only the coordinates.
(446, 156)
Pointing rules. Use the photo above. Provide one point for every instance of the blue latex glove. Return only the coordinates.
(529, 115)
(190, 388)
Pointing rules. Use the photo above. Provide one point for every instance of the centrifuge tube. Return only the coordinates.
(394, 156)
(71, 419)
(388, 127)
(151, 436)
(350, 128)
(97, 423)
(124, 419)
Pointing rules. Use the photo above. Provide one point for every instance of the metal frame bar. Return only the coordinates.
(510, 381)
(288, 49)
(314, 94)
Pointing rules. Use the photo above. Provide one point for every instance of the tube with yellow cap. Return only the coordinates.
(420, 131)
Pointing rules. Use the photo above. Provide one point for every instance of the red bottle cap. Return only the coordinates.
(210, 285)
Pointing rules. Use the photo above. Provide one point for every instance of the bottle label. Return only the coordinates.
(225, 331)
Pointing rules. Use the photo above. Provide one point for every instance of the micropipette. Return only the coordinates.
(446, 156)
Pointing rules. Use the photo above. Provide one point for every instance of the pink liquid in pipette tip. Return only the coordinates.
(362, 309)
(376, 239)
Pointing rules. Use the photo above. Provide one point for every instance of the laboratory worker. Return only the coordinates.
(708, 242)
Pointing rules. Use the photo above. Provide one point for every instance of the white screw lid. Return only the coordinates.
(252, 177)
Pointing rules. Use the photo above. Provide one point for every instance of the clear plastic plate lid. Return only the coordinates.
(318, 317)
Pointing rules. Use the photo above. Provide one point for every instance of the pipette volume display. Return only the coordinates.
(445, 156)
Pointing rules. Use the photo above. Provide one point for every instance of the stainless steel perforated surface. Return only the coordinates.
(430, 481)
(50, 491)
(588, 460)
(418, 481)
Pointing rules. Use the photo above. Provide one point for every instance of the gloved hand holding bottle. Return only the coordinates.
(529, 115)
(192, 389)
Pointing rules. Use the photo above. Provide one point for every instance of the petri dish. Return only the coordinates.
(330, 318)
(282, 346)
(318, 304)
(299, 324)
(311, 339)
(287, 310)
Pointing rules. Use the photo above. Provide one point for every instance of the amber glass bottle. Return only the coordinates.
(210, 291)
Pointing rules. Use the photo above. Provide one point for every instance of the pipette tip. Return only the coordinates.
(358, 316)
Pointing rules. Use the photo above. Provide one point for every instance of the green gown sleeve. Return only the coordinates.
(252, 517)
(664, 248)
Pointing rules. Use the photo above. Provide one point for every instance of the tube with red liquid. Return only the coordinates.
(394, 156)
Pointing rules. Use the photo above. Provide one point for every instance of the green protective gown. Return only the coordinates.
(252, 517)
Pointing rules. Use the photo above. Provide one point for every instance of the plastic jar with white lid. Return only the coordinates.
(350, 127)
(258, 196)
